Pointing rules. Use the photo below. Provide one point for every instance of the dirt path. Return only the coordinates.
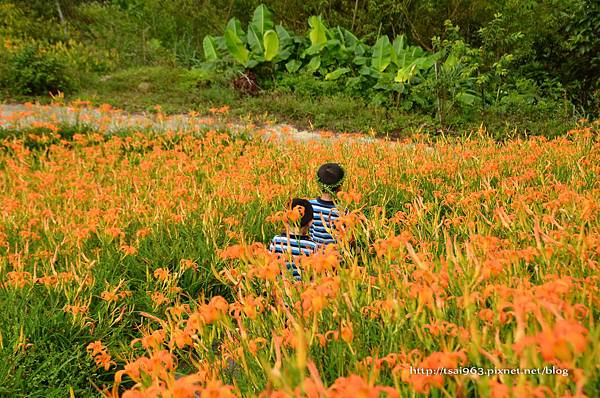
(110, 120)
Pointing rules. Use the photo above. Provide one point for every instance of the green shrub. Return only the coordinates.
(31, 70)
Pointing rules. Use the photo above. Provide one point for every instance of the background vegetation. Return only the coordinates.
(531, 65)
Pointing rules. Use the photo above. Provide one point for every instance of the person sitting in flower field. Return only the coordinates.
(330, 178)
(295, 241)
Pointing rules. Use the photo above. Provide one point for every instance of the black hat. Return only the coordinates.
(330, 176)
(308, 210)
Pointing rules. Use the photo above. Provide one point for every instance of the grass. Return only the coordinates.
(178, 90)
(56, 360)
(141, 89)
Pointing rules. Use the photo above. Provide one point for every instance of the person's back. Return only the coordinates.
(325, 215)
(330, 178)
(295, 241)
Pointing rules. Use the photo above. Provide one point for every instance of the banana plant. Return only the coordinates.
(380, 62)
(262, 42)
(386, 69)
(331, 49)
(410, 60)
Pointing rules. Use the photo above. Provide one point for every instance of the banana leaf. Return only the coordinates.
(271, 44)
(336, 74)
(293, 66)
(236, 47)
(317, 35)
(285, 38)
(209, 47)
(236, 26)
(255, 40)
(262, 20)
(397, 48)
(382, 54)
(314, 64)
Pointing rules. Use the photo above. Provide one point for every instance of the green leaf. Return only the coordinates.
(236, 48)
(397, 49)
(282, 55)
(426, 62)
(360, 49)
(209, 47)
(450, 62)
(385, 81)
(416, 51)
(349, 39)
(466, 98)
(336, 74)
(369, 71)
(355, 82)
(314, 64)
(360, 60)
(261, 20)
(382, 54)
(406, 73)
(285, 39)
(271, 42)
(235, 25)
(317, 34)
(338, 34)
(399, 42)
(293, 66)
(221, 45)
(405, 57)
(333, 44)
(255, 41)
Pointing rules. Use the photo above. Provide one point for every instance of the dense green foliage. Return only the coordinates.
(451, 61)
(32, 72)
(454, 78)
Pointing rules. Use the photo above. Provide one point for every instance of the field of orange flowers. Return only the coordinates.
(133, 264)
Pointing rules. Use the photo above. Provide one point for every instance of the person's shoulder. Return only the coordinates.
(321, 204)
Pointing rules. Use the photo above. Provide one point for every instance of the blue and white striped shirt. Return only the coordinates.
(291, 247)
(325, 213)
